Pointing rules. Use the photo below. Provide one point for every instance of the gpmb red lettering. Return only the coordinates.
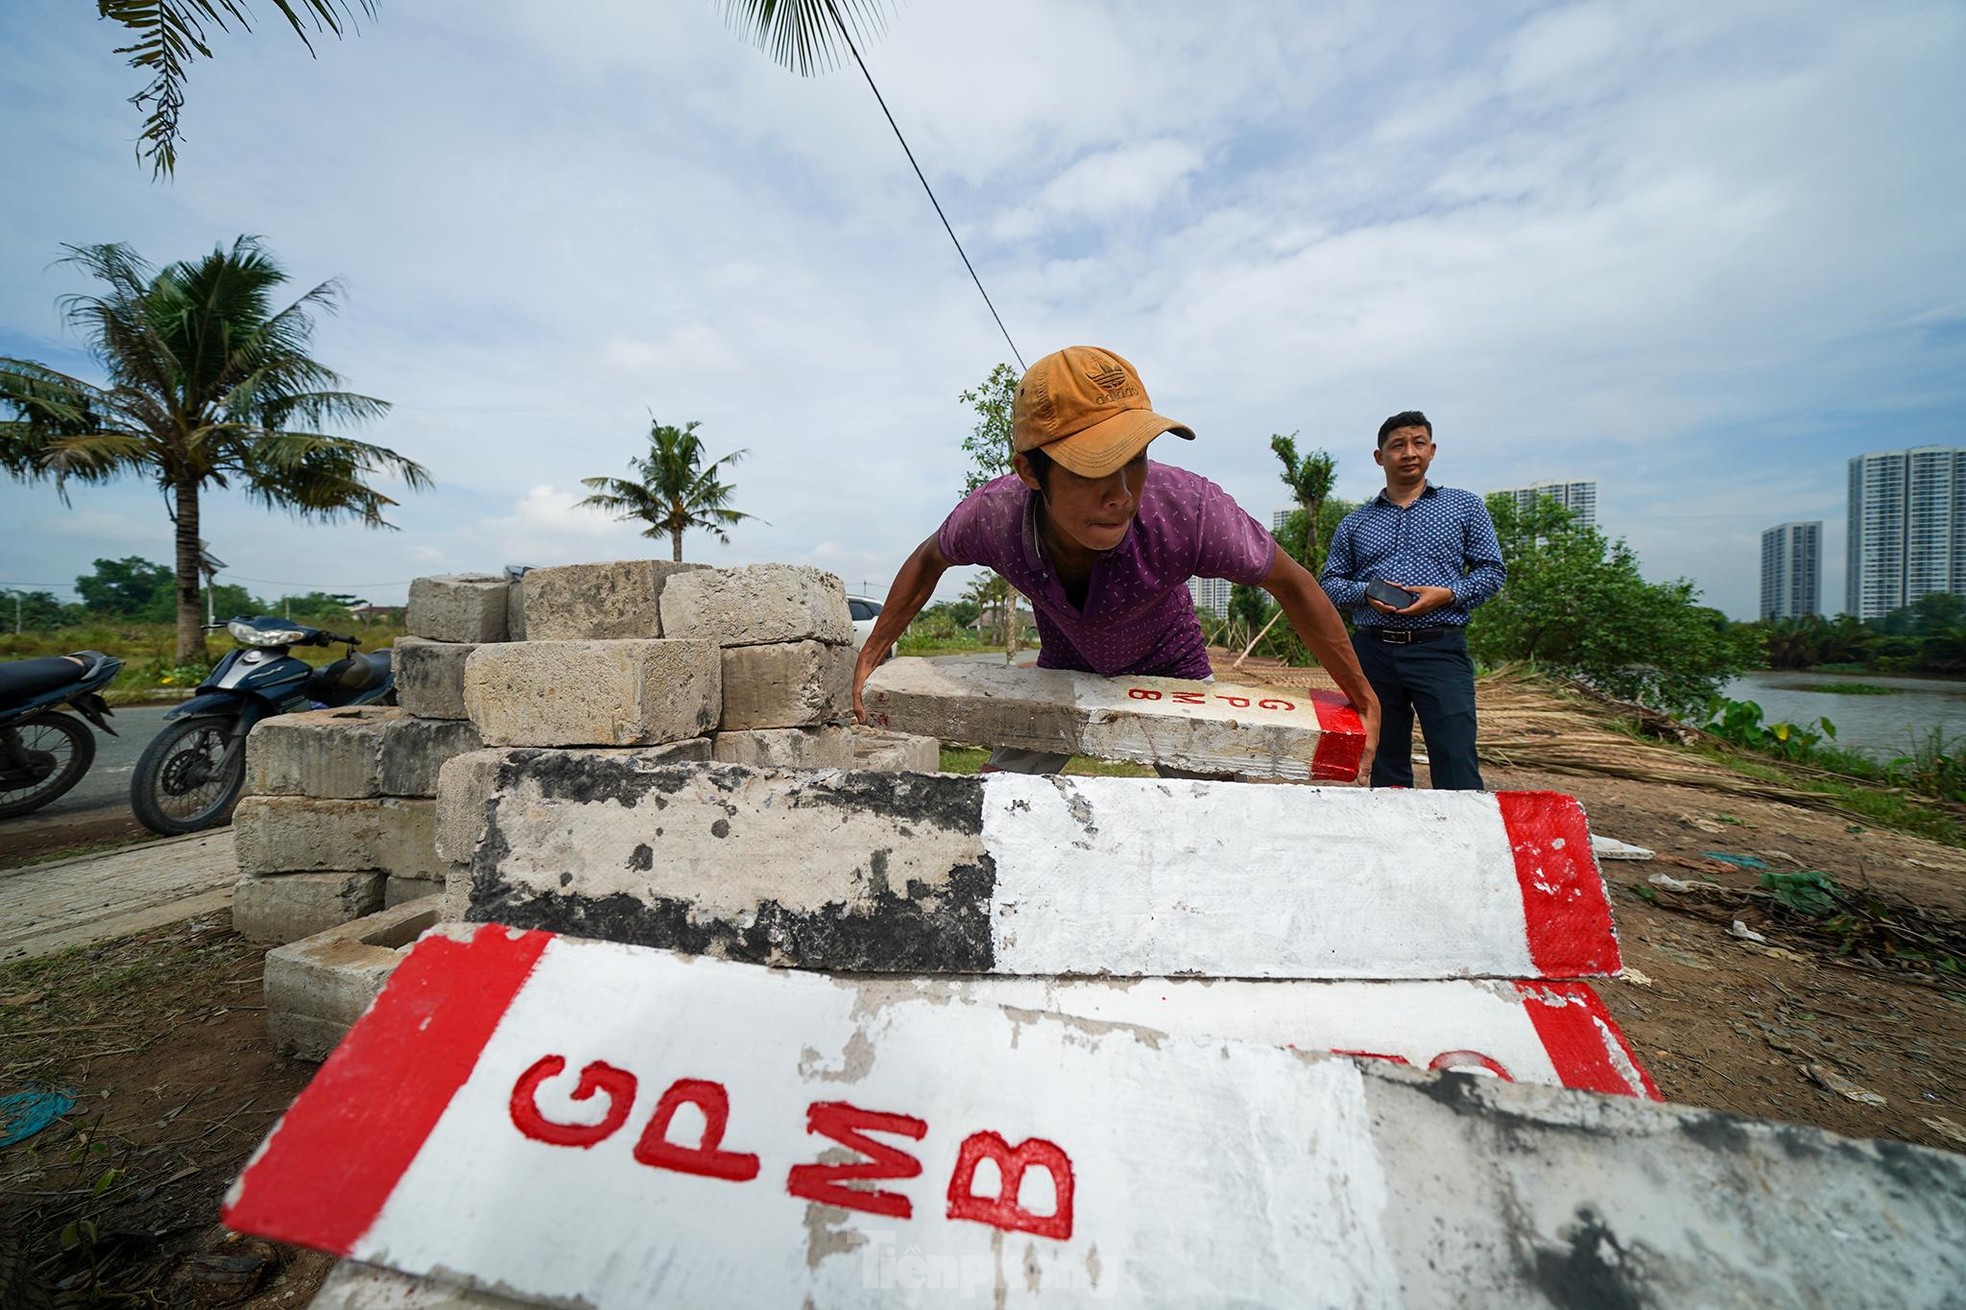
(1002, 1210)
(848, 1125)
(1240, 702)
(617, 1084)
(1189, 698)
(1142, 693)
(1274, 704)
(707, 1159)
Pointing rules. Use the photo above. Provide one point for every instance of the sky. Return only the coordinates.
(1701, 253)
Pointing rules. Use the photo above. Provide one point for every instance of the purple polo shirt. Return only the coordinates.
(1138, 617)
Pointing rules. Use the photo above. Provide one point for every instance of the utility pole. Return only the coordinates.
(209, 564)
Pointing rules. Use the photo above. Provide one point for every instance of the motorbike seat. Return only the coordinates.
(346, 678)
(22, 680)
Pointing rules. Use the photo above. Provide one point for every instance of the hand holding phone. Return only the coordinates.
(1387, 594)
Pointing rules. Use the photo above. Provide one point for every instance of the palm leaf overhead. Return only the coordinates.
(207, 383)
(169, 35)
(805, 36)
(674, 491)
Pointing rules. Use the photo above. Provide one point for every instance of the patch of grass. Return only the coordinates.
(910, 644)
(1878, 806)
(1839, 668)
(962, 759)
(1855, 689)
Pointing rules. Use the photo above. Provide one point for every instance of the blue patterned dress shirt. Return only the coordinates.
(1443, 539)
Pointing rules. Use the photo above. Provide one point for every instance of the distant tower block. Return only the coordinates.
(1792, 570)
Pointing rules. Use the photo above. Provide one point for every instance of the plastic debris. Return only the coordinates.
(1632, 975)
(1610, 848)
(1670, 883)
(1843, 1087)
(1738, 861)
(23, 1114)
(1746, 933)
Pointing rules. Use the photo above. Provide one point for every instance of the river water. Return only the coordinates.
(1880, 726)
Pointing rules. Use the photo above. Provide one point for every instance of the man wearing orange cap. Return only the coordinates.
(1103, 542)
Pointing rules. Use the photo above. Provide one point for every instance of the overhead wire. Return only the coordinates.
(882, 101)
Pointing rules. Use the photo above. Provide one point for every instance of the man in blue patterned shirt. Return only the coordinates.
(1438, 544)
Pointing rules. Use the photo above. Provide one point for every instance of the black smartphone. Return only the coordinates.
(1387, 594)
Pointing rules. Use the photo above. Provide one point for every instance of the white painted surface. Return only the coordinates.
(1250, 881)
(1276, 1152)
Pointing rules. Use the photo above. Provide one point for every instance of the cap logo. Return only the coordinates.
(1111, 377)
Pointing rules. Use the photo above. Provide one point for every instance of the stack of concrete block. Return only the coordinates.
(339, 817)
(649, 662)
(318, 987)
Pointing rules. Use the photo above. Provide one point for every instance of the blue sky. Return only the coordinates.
(1703, 253)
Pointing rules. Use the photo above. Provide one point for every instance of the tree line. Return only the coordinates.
(137, 590)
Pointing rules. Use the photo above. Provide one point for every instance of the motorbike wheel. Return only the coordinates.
(69, 747)
(182, 782)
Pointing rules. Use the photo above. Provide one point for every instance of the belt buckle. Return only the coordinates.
(1398, 637)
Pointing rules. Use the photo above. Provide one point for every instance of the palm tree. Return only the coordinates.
(167, 36)
(674, 491)
(804, 35)
(207, 384)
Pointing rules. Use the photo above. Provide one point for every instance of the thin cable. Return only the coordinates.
(847, 37)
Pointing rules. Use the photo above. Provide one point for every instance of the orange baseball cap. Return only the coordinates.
(1088, 410)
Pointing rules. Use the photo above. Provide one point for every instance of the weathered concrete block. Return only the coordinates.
(617, 600)
(1198, 727)
(352, 1285)
(829, 747)
(895, 752)
(400, 891)
(457, 893)
(430, 677)
(286, 907)
(1078, 1162)
(465, 785)
(593, 693)
(317, 987)
(1007, 873)
(288, 834)
(367, 750)
(787, 685)
(757, 605)
(467, 607)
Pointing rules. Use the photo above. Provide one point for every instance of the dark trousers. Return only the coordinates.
(1435, 680)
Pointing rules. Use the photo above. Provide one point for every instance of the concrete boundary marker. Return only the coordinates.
(567, 1121)
(1199, 727)
(1009, 874)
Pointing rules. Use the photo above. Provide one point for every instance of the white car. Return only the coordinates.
(864, 612)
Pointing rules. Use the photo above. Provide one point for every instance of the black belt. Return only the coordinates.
(1406, 636)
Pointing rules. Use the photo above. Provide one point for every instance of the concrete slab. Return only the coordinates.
(464, 607)
(1198, 727)
(465, 785)
(1006, 873)
(294, 834)
(899, 752)
(290, 906)
(593, 693)
(430, 677)
(787, 685)
(317, 987)
(52, 907)
(615, 600)
(361, 751)
(765, 1137)
(829, 747)
(757, 605)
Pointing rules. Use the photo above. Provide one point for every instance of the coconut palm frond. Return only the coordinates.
(806, 36)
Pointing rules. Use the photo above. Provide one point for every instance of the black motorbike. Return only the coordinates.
(44, 751)
(190, 774)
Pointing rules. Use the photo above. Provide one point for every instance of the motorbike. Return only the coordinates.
(190, 774)
(44, 752)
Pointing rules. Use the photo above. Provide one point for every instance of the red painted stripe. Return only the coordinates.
(332, 1160)
(1564, 906)
(1341, 737)
(1567, 1017)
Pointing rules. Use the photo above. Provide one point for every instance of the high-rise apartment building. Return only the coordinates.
(1907, 535)
(1210, 595)
(1792, 570)
(1579, 496)
(1278, 517)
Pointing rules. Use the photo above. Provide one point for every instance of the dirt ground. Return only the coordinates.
(162, 1039)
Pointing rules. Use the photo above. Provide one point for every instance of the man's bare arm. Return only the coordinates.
(1311, 613)
(913, 586)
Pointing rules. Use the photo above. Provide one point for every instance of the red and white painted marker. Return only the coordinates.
(1285, 882)
(623, 1127)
